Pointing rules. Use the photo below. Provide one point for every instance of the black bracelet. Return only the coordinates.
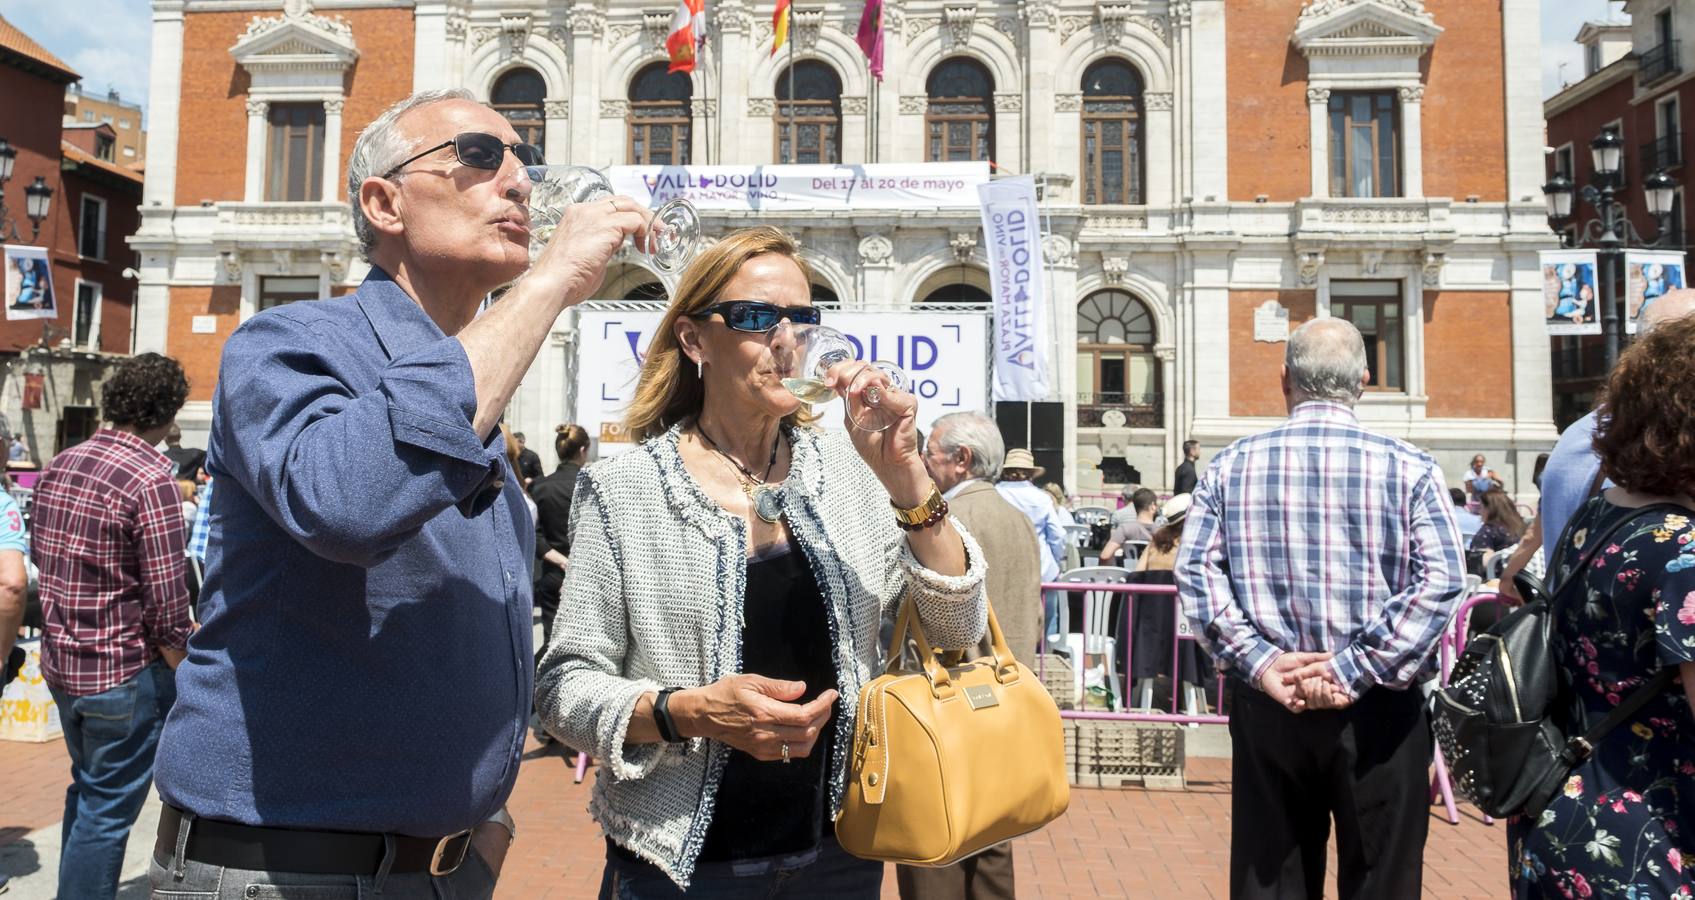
(662, 717)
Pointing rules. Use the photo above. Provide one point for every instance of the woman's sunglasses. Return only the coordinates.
(757, 316)
(479, 151)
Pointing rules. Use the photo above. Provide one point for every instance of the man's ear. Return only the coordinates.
(379, 200)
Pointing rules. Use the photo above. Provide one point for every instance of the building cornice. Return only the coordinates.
(1579, 91)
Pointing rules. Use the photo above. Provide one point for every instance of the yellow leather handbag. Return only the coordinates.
(949, 761)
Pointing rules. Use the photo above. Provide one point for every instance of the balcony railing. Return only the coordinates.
(1120, 410)
(1662, 153)
(1659, 62)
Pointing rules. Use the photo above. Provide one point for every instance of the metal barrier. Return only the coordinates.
(1182, 634)
(1453, 641)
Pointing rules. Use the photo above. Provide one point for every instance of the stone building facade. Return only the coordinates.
(1199, 160)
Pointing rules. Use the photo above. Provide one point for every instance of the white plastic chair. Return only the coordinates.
(1099, 620)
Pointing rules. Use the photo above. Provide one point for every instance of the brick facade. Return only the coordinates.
(1270, 147)
(1468, 352)
(199, 353)
(1255, 366)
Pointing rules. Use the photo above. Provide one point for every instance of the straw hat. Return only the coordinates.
(1023, 460)
(1173, 510)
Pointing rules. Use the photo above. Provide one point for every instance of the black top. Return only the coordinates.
(553, 496)
(1492, 537)
(188, 462)
(529, 464)
(771, 808)
(1184, 483)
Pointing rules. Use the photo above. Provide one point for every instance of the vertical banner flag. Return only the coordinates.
(1019, 342)
(870, 36)
(779, 26)
(688, 32)
(1648, 276)
(1571, 297)
(29, 284)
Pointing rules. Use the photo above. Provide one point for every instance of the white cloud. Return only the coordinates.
(107, 42)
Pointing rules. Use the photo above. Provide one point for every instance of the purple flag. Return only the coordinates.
(870, 37)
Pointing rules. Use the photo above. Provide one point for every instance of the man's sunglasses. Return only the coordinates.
(757, 316)
(479, 151)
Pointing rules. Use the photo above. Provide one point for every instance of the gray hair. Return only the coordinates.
(381, 147)
(975, 432)
(1326, 360)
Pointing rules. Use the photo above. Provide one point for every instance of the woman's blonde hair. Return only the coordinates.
(669, 390)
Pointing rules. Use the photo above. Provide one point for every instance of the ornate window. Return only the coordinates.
(959, 293)
(1112, 133)
(1118, 377)
(518, 95)
(294, 164)
(1364, 145)
(1375, 309)
(825, 298)
(809, 129)
(659, 117)
(959, 122)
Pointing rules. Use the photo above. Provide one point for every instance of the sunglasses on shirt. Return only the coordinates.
(757, 316)
(479, 150)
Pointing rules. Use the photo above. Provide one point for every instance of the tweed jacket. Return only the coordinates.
(1014, 577)
(654, 599)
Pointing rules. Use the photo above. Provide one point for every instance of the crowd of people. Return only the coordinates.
(343, 709)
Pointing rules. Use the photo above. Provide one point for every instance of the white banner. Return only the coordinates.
(1648, 276)
(808, 188)
(943, 352)
(1571, 297)
(1014, 238)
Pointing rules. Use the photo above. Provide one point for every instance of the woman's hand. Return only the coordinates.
(891, 453)
(754, 714)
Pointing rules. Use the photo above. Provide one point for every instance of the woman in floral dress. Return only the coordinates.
(1624, 826)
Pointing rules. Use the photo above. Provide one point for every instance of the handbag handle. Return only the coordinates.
(941, 683)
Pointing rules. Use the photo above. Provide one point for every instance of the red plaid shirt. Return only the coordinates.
(107, 534)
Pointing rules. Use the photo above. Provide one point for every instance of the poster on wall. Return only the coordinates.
(1648, 276)
(1571, 292)
(29, 284)
(945, 353)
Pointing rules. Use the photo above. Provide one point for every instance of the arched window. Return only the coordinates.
(959, 122)
(958, 293)
(1116, 367)
(809, 129)
(659, 117)
(1112, 133)
(825, 298)
(518, 96)
(652, 290)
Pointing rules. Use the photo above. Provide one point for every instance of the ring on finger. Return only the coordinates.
(613, 202)
(785, 752)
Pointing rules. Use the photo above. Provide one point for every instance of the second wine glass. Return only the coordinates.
(673, 231)
(804, 356)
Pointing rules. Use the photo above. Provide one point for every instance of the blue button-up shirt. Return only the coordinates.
(364, 662)
(1320, 535)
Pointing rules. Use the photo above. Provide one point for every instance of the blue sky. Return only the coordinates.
(107, 41)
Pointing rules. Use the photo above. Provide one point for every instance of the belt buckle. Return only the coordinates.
(446, 848)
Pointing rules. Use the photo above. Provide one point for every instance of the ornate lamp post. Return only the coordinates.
(1611, 233)
(38, 197)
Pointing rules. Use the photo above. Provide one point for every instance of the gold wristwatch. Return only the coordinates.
(932, 508)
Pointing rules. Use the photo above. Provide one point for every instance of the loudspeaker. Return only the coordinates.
(1039, 428)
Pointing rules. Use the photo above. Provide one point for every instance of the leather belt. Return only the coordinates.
(257, 848)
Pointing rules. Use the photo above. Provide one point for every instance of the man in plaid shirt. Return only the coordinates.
(1320, 565)
(108, 541)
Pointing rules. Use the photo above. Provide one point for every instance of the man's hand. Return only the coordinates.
(490, 841)
(1277, 681)
(173, 658)
(1322, 693)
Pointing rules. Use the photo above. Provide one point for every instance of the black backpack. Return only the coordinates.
(1499, 719)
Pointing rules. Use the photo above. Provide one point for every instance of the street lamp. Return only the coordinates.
(1611, 233)
(38, 197)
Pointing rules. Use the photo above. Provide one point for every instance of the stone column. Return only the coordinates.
(588, 26)
(1412, 141)
(1210, 107)
(255, 187)
(334, 177)
(890, 119)
(164, 99)
(1318, 116)
(429, 45)
(557, 132)
(1042, 43)
(1059, 256)
(730, 86)
(1160, 122)
(875, 272)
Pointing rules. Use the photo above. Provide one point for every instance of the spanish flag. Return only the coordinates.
(688, 32)
(779, 26)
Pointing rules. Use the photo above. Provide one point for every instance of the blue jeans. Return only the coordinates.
(827, 873)
(112, 737)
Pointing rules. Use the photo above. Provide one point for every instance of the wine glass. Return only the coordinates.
(673, 232)
(804, 355)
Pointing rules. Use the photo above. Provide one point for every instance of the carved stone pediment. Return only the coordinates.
(1365, 28)
(296, 40)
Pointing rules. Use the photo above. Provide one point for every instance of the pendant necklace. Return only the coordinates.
(767, 500)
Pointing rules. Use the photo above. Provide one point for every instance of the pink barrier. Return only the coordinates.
(1449, 648)
(1178, 638)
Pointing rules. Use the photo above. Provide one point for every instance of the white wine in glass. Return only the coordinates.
(804, 354)
(673, 232)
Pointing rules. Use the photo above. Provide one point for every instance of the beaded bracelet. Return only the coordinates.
(936, 515)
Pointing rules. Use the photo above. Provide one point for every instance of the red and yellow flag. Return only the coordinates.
(779, 26)
(688, 32)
